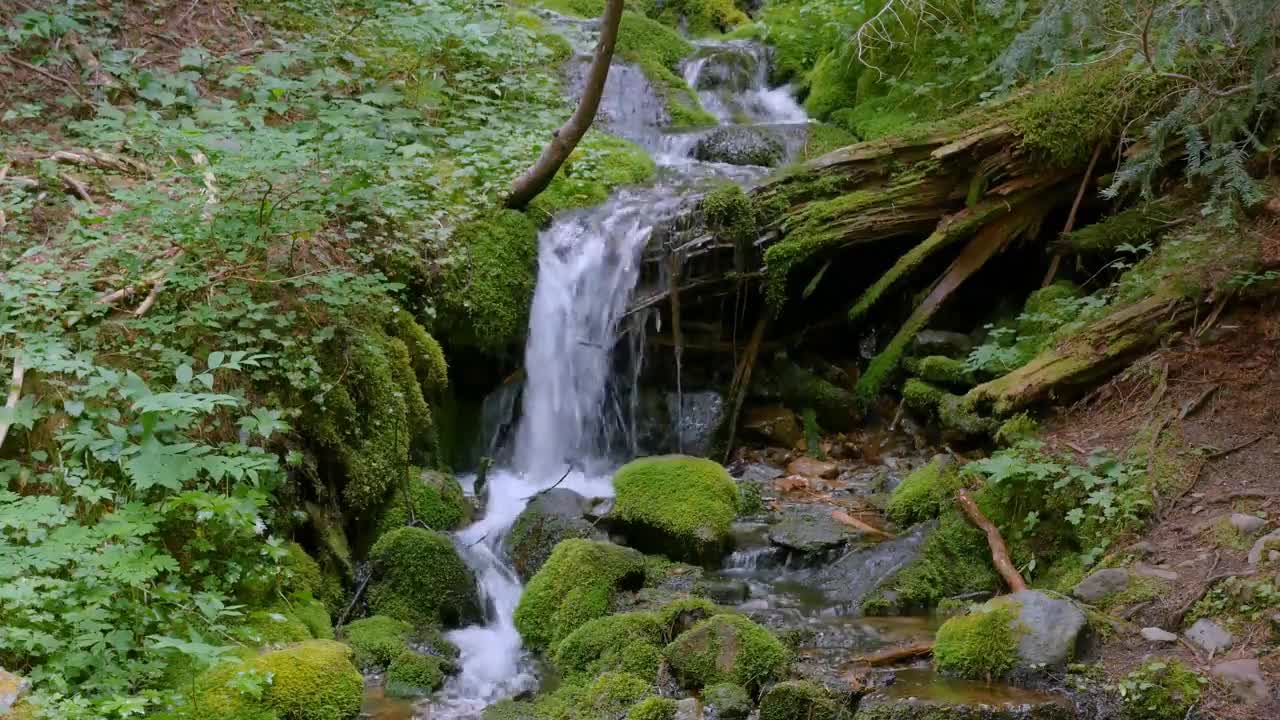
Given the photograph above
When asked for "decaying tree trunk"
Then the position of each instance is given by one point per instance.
(563, 141)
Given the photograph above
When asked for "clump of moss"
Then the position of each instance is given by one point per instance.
(823, 138)
(954, 560)
(700, 17)
(313, 680)
(268, 627)
(982, 644)
(921, 396)
(750, 500)
(654, 708)
(432, 498)
(729, 216)
(575, 585)
(727, 648)
(313, 614)
(1017, 428)
(412, 674)
(833, 85)
(945, 371)
(600, 163)
(926, 492)
(800, 388)
(483, 298)
(628, 642)
(612, 694)
(377, 640)
(1160, 690)
(799, 700)
(679, 505)
(680, 615)
(1135, 226)
(421, 579)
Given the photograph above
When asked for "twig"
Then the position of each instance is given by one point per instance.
(150, 299)
(1075, 210)
(76, 187)
(51, 76)
(4, 172)
(15, 392)
(742, 378)
(1235, 448)
(999, 551)
(342, 619)
(553, 487)
(1195, 404)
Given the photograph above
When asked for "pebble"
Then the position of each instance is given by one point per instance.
(1155, 634)
(1259, 547)
(1209, 636)
(1246, 680)
(1247, 524)
(1101, 584)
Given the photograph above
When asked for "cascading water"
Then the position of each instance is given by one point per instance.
(570, 409)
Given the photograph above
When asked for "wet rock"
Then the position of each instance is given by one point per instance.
(1269, 541)
(1158, 573)
(726, 69)
(810, 531)
(867, 481)
(941, 342)
(773, 424)
(1247, 524)
(1155, 634)
(1245, 679)
(1048, 629)
(687, 709)
(697, 422)
(740, 145)
(760, 473)
(813, 468)
(1101, 584)
(553, 516)
(726, 592)
(862, 571)
(12, 689)
(1209, 636)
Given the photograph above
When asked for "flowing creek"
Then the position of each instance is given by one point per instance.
(574, 418)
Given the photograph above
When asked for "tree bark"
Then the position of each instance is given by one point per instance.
(999, 552)
(563, 141)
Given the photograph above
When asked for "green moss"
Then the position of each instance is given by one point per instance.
(599, 164)
(434, 499)
(412, 674)
(731, 702)
(983, 644)
(1017, 428)
(680, 615)
(483, 299)
(377, 640)
(800, 388)
(945, 371)
(921, 396)
(421, 579)
(612, 694)
(658, 50)
(833, 85)
(675, 504)
(1161, 690)
(824, 138)
(728, 214)
(700, 17)
(750, 501)
(574, 586)
(954, 560)
(268, 627)
(312, 681)
(799, 700)
(425, 354)
(727, 648)
(628, 642)
(654, 708)
(803, 33)
(925, 493)
(313, 614)
(1135, 226)
(559, 46)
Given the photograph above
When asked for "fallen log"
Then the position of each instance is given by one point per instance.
(897, 654)
(999, 551)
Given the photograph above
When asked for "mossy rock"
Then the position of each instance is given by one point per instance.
(954, 560)
(272, 628)
(313, 614)
(835, 406)
(576, 584)
(613, 694)
(727, 700)
(678, 505)
(942, 370)
(552, 517)
(597, 166)
(727, 648)
(412, 674)
(655, 708)
(982, 644)
(629, 642)
(377, 640)
(658, 49)
(483, 299)
(926, 492)
(432, 498)
(312, 680)
(421, 579)
(800, 700)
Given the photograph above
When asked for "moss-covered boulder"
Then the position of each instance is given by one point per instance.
(836, 406)
(421, 579)
(552, 517)
(613, 694)
(982, 644)
(313, 680)
(655, 708)
(677, 505)
(727, 701)
(483, 299)
(629, 642)
(740, 145)
(431, 498)
(926, 492)
(954, 560)
(575, 585)
(727, 648)
(1023, 633)
(377, 640)
(412, 674)
(272, 628)
(800, 700)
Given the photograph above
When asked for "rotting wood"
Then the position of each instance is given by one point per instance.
(845, 518)
(742, 378)
(999, 551)
(896, 654)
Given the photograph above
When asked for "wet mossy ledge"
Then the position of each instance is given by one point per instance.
(676, 505)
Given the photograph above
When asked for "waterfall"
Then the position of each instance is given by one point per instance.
(577, 416)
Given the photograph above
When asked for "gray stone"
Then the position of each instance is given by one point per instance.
(941, 342)
(860, 572)
(1209, 636)
(1245, 679)
(1102, 584)
(740, 145)
(811, 531)
(555, 515)
(760, 473)
(1266, 542)
(867, 481)
(12, 688)
(1155, 634)
(726, 592)
(1247, 524)
(697, 422)
(1051, 629)
(688, 709)
(1157, 573)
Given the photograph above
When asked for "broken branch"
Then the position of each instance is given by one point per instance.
(15, 392)
(895, 655)
(999, 551)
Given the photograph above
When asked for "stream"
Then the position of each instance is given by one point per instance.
(576, 417)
